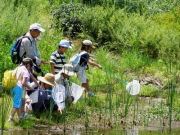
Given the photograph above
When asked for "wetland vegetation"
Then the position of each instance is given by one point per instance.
(134, 39)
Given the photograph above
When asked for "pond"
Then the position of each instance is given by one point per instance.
(116, 114)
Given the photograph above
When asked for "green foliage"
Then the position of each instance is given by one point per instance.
(66, 17)
(27, 123)
(5, 107)
(126, 40)
(120, 31)
(151, 91)
(134, 60)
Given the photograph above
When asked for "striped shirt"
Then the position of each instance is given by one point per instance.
(59, 60)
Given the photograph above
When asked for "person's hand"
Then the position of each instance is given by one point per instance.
(40, 87)
(28, 101)
(44, 62)
(99, 66)
(31, 88)
(59, 110)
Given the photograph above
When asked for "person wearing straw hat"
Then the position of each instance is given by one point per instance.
(60, 89)
(47, 83)
(23, 75)
(63, 87)
(57, 59)
(86, 47)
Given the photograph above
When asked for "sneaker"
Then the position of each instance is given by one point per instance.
(90, 94)
(10, 119)
(26, 115)
(21, 118)
(22, 114)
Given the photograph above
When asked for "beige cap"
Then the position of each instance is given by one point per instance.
(88, 43)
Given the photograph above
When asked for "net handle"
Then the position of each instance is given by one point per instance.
(114, 76)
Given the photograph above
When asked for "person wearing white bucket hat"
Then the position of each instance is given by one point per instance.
(60, 90)
(63, 87)
(57, 58)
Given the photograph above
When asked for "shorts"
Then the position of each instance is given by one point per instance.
(81, 74)
(16, 96)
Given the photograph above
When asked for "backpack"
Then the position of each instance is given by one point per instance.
(14, 52)
(9, 79)
(75, 61)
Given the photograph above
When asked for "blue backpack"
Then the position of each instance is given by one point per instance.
(14, 52)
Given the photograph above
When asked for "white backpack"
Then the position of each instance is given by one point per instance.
(75, 61)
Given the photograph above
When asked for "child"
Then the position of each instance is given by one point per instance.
(60, 88)
(84, 61)
(23, 75)
(57, 59)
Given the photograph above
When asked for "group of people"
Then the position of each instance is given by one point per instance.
(54, 85)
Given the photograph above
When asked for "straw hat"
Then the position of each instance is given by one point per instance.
(48, 79)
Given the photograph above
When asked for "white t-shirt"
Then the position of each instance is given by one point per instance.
(22, 72)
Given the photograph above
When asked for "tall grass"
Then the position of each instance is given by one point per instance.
(127, 46)
(171, 90)
(5, 107)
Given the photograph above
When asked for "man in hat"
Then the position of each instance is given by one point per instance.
(84, 61)
(28, 48)
(57, 59)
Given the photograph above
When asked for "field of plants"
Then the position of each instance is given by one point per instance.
(134, 39)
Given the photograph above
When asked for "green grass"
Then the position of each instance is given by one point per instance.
(129, 45)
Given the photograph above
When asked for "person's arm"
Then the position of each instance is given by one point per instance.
(59, 110)
(24, 84)
(40, 61)
(26, 48)
(52, 68)
(58, 95)
(52, 63)
(94, 64)
(35, 81)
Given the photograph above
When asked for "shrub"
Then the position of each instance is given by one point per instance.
(66, 17)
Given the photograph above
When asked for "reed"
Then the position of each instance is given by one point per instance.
(5, 107)
(172, 80)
